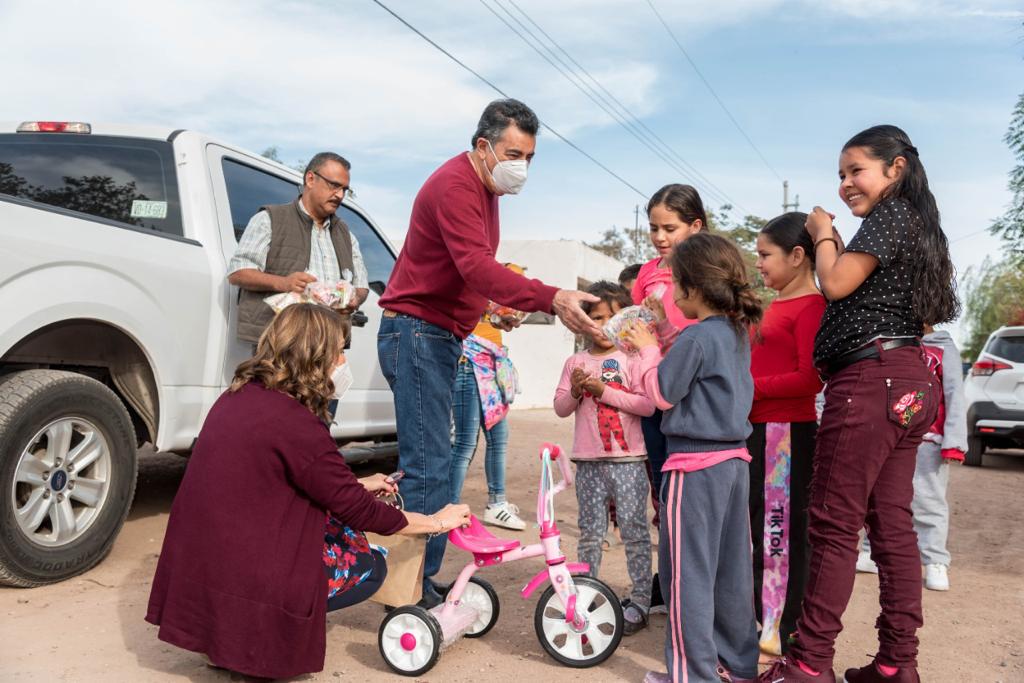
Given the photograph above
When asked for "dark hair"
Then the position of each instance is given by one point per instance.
(609, 293)
(713, 266)
(683, 200)
(934, 277)
(788, 232)
(321, 158)
(499, 114)
(629, 273)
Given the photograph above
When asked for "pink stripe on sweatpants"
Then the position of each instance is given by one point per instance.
(675, 524)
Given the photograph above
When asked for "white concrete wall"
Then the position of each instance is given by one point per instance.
(539, 351)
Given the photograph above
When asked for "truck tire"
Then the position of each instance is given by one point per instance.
(975, 451)
(67, 475)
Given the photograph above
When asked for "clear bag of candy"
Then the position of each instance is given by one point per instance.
(615, 329)
(496, 313)
(331, 293)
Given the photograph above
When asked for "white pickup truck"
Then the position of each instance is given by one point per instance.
(117, 323)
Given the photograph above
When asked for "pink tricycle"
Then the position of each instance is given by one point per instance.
(578, 619)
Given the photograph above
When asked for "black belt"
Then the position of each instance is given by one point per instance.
(871, 350)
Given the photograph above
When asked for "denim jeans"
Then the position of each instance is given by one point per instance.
(419, 360)
(468, 415)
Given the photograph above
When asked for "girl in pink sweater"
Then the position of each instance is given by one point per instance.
(600, 385)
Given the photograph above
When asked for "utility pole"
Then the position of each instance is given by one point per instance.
(785, 198)
(636, 233)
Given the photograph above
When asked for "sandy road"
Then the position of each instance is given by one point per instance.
(91, 629)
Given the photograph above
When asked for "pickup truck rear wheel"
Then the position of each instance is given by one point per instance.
(67, 475)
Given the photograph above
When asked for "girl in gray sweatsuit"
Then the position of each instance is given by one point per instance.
(705, 388)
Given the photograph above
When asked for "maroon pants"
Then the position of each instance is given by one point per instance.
(876, 412)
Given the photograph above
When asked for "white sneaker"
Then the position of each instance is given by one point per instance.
(865, 564)
(936, 577)
(504, 515)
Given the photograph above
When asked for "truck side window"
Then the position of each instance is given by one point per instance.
(250, 188)
(377, 257)
(127, 180)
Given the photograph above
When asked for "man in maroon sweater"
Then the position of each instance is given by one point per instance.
(438, 290)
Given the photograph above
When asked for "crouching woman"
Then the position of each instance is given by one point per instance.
(266, 532)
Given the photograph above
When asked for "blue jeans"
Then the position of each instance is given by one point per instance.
(468, 414)
(419, 360)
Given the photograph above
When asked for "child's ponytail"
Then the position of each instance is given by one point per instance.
(713, 266)
(934, 296)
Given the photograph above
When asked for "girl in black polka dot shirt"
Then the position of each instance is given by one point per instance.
(893, 277)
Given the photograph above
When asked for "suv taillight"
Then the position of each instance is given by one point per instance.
(987, 366)
(55, 127)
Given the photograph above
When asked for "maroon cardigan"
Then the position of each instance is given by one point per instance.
(241, 575)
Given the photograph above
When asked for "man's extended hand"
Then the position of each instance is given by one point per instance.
(296, 282)
(567, 307)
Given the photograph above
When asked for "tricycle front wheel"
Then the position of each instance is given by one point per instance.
(592, 641)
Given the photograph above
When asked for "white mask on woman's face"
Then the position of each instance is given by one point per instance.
(342, 378)
(509, 175)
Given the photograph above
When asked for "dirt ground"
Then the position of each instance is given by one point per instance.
(91, 628)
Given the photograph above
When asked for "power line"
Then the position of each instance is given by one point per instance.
(636, 120)
(712, 91)
(568, 77)
(970, 234)
(608, 102)
(503, 94)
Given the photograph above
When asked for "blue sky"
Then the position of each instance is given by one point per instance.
(801, 77)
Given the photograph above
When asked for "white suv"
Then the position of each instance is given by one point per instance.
(995, 395)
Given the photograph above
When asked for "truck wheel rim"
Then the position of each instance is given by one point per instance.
(61, 482)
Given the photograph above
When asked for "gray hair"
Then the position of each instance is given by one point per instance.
(499, 114)
(318, 161)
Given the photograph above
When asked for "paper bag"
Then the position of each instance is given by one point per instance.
(404, 582)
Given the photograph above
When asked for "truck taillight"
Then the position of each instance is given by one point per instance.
(55, 127)
(987, 366)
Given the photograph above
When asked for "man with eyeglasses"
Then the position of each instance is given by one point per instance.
(287, 246)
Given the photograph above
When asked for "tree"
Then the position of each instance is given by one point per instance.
(624, 244)
(274, 154)
(1010, 226)
(96, 195)
(994, 293)
(994, 297)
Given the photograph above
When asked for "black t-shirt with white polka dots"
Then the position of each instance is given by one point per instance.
(881, 306)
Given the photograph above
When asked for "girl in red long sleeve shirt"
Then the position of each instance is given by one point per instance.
(784, 425)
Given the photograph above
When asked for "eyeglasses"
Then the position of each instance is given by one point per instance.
(346, 192)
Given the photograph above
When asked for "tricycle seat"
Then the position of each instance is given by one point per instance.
(475, 538)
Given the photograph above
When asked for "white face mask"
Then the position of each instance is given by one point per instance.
(342, 378)
(509, 175)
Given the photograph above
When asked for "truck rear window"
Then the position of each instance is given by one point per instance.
(127, 180)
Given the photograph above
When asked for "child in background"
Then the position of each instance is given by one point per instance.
(481, 398)
(704, 386)
(600, 386)
(894, 277)
(945, 443)
(784, 423)
(627, 278)
(675, 213)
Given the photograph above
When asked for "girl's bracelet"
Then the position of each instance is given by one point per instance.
(833, 240)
